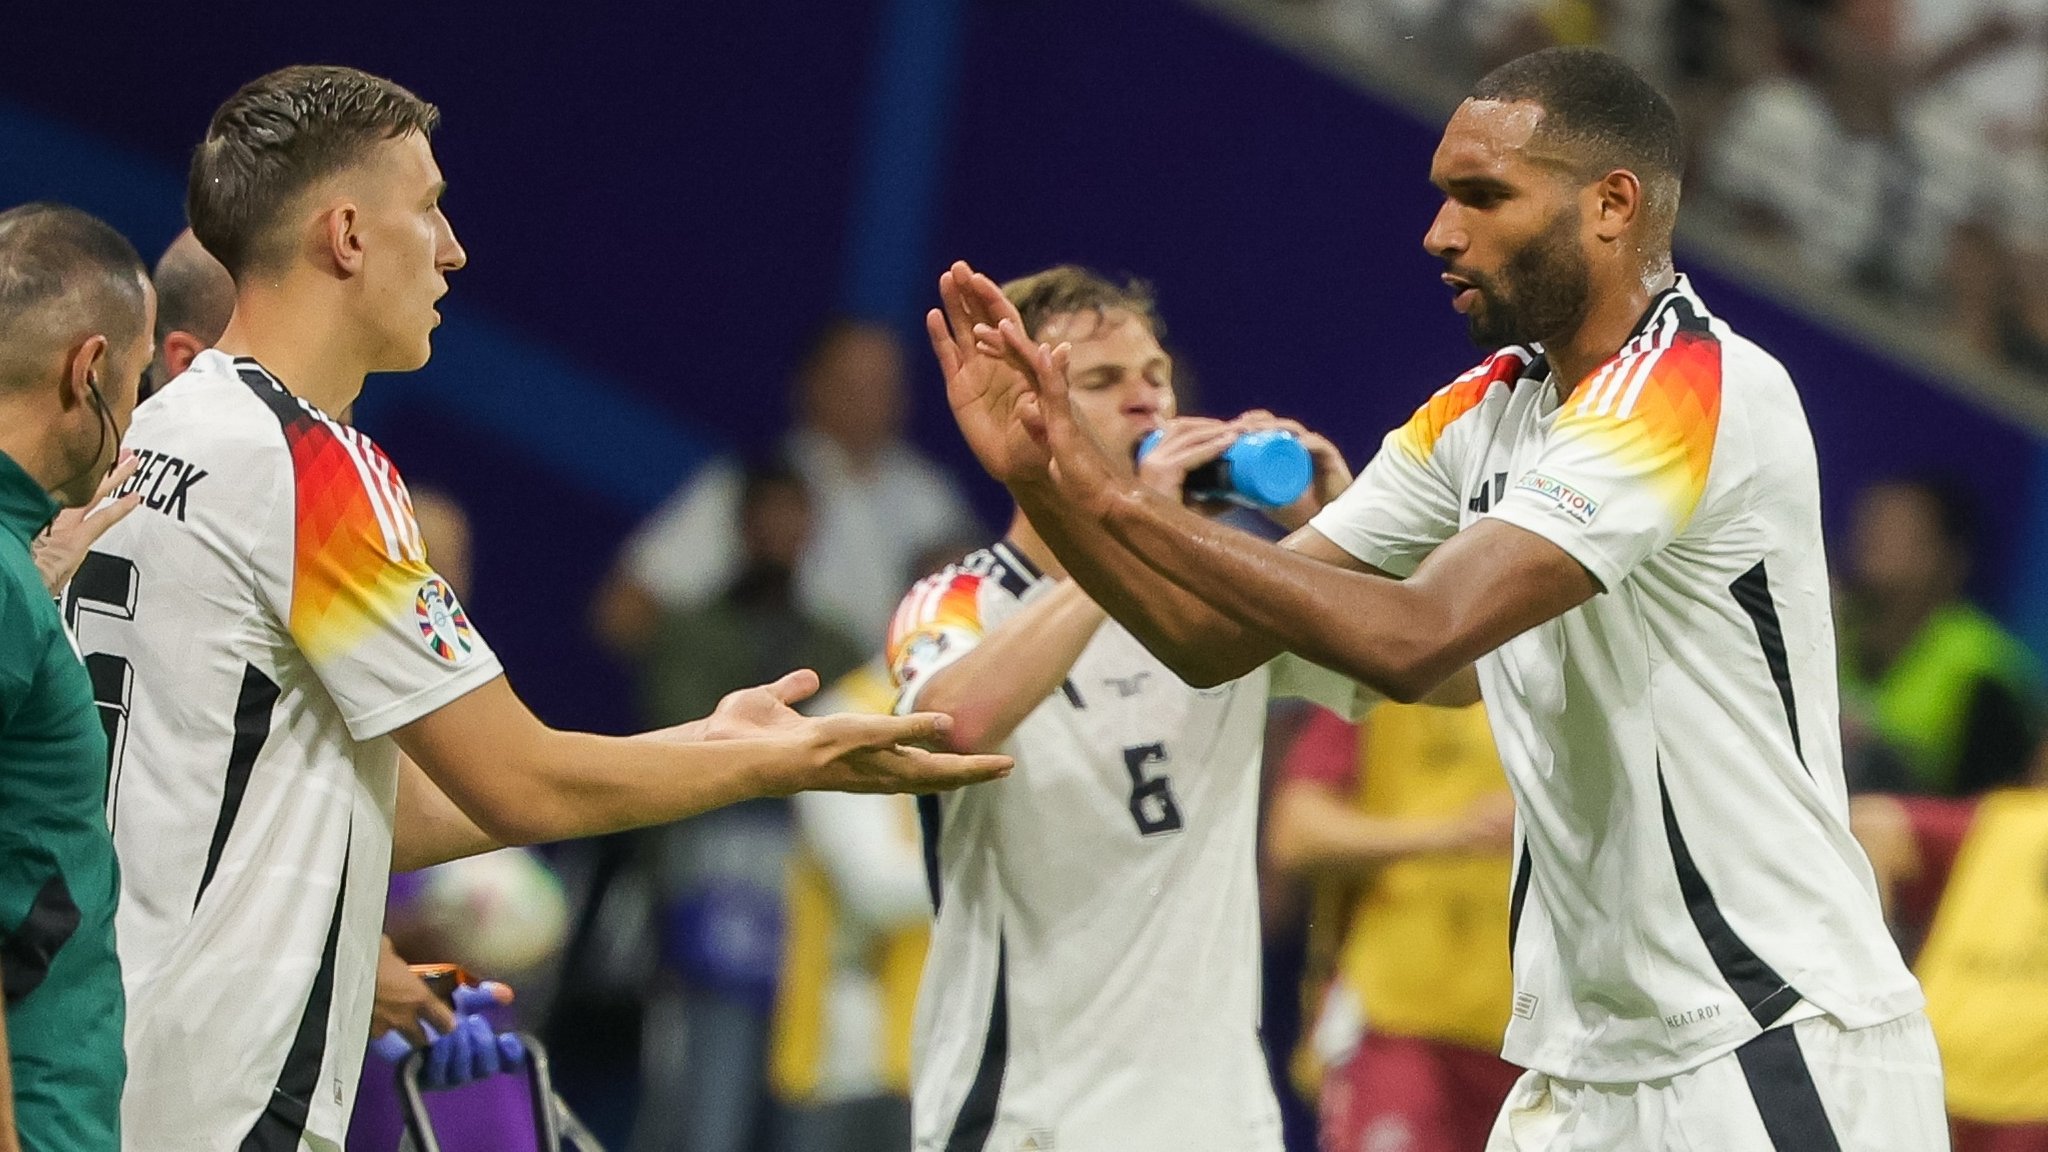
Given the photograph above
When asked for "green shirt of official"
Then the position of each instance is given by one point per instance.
(57, 875)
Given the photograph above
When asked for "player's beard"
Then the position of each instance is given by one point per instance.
(1541, 293)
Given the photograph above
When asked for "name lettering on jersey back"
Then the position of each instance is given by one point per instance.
(164, 480)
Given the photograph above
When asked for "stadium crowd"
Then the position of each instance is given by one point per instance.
(745, 978)
(1899, 148)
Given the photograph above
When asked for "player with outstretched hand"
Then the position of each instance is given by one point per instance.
(1617, 515)
(266, 632)
(1093, 979)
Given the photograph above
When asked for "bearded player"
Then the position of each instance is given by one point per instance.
(1617, 515)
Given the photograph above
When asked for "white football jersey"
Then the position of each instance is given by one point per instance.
(1687, 876)
(1093, 981)
(259, 626)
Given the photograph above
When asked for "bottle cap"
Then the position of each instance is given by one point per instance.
(1270, 468)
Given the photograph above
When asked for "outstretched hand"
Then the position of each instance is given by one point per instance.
(762, 709)
(858, 752)
(847, 752)
(991, 400)
(61, 549)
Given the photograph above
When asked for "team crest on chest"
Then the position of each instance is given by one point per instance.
(443, 625)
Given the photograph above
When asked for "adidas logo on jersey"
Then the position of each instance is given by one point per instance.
(1487, 497)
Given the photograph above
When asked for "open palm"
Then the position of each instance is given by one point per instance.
(993, 403)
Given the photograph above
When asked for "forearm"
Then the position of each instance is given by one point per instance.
(577, 784)
(430, 828)
(1379, 631)
(521, 782)
(990, 690)
(1200, 644)
(1313, 832)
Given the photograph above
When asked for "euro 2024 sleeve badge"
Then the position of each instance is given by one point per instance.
(443, 625)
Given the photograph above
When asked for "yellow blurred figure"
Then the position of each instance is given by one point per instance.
(859, 912)
(1407, 823)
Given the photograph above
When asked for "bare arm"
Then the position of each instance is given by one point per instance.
(1479, 589)
(1019, 663)
(1313, 830)
(1198, 643)
(1202, 643)
(522, 782)
(1402, 638)
(430, 828)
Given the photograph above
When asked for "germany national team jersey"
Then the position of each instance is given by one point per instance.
(1093, 980)
(255, 631)
(1687, 877)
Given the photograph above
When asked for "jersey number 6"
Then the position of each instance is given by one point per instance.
(1152, 803)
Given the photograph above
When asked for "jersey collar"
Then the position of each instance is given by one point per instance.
(1679, 297)
(1014, 558)
(25, 509)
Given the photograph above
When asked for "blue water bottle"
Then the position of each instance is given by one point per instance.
(1264, 469)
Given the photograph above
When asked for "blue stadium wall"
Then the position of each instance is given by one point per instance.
(659, 209)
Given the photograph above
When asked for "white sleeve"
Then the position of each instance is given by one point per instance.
(864, 843)
(941, 620)
(383, 632)
(1397, 511)
(1626, 463)
(689, 548)
(1307, 680)
(1406, 502)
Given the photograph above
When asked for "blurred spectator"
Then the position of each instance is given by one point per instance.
(1975, 106)
(1898, 146)
(1811, 149)
(1976, 866)
(859, 909)
(195, 299)
(718, 878)
(1407, 820)
(1925, 673)
(758, 627)
(877, 504)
